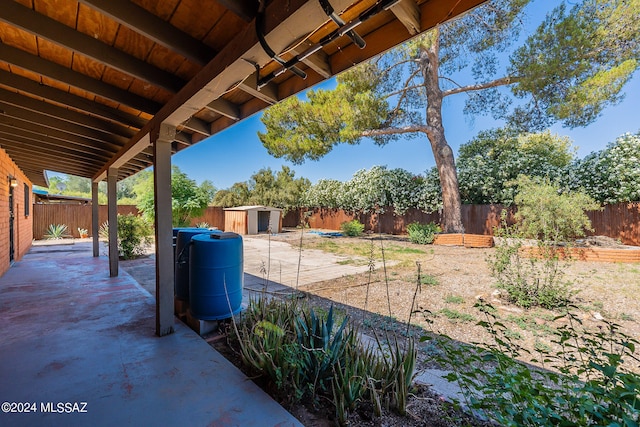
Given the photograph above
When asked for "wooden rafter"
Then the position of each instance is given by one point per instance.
(49, 29)
(35, 64)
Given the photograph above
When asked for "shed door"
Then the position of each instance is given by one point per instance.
(263, 221)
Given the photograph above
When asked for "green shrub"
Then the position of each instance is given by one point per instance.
(529, 281)
(553, 217)
(586, 381)
(352, 228)
(422, 234)
(133, 234)
(56, 231)
(548, 213)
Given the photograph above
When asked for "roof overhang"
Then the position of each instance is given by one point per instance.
(85, 84)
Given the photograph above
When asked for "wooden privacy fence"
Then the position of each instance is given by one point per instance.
(619, 221)
(74, 216)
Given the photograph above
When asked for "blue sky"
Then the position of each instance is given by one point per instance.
(236, 153)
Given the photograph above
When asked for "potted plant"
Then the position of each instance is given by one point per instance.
(84, 233)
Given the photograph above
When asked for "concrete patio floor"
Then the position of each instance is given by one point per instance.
(74, 339)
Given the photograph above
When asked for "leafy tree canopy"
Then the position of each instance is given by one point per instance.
(545, 212)
(569, 70)
(188, 200)
(489, 164)
(611, 175)
(280, 189)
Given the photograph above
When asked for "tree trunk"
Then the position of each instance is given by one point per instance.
(442, 152)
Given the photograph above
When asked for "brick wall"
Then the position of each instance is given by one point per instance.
(23, 224)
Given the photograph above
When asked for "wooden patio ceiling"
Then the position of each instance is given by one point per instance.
(83, 83)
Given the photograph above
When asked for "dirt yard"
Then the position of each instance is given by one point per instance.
(454, 279)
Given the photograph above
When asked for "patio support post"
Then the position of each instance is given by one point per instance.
(112, 178)
(94, 219)
(164, 228)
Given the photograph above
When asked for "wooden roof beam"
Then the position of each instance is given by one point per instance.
(318, 62)
(22, 59)
(17, 144)
(42, 26)
(62, 138)
(408, 12)
(152, 27)
(245, 9)
(184, 139)
(268, 93)
(65, 114)
(42, 91)
(20, 136)
(108, 140)
(199, 126)
(63, 166)
(225, 108)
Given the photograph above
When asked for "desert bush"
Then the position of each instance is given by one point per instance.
(552, 217)
(352, 228)
(584, 381)
(422, 234)
(548, 213)
(133, 234)
(529, 281)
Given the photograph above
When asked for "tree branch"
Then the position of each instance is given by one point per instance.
(503, 81)
(450, 80)
(394, 131)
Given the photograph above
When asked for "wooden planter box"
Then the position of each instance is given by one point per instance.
(466, 240)
(592, 254)
(478, 241)
(449, 239)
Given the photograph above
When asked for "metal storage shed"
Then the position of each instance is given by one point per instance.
(253, 219)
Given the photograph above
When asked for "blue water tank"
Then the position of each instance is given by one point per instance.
(176, 230)
(183, 240)
(215, 276)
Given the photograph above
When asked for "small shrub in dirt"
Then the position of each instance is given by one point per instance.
(554, 218)
(586, 380)
(353, 228)
(422, 234)
(133, 234)
(529, 281)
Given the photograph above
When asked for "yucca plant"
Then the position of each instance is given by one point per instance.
(56, 231)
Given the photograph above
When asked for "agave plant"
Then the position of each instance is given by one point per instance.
(56, 231)
(202, 225)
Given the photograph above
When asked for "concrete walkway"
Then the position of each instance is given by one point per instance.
(81, 344)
